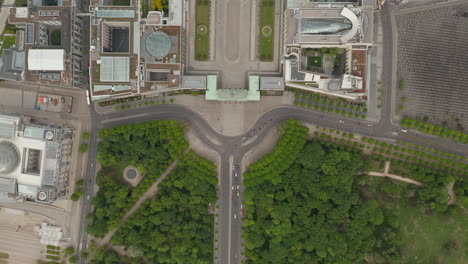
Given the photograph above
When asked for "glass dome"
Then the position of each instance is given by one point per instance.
(9, 157)
(158, 44)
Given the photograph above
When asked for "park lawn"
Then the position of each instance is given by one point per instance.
(424, 237)
(267, 18)
(314, 61)
(56, 37)
(202, 41)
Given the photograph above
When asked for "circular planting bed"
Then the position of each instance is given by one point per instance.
(266, 31)
(202, 30)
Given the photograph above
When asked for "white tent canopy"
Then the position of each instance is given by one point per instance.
(46, 59)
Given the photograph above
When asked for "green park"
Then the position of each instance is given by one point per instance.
(174, 219)
(202, 30)
(311, 200)
(267, 22)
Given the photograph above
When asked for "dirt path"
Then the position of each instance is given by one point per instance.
(451, 193)
(147, 195)
(396, 177)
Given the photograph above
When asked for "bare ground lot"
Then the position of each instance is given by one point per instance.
(22, 246)
(432, 60)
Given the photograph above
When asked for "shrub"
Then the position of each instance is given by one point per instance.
(85, 135)
(83, 148)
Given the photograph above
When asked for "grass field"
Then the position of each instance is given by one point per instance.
(202, 30)
(433, 238)
(56, 37)
(267, 22)
(8, 41)
(314, 61)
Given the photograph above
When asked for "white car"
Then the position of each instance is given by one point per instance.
(87, 197)
(341, 121)
(242, 206)
(232, 187)
(235, 216)
(237, 187)
(404, 130)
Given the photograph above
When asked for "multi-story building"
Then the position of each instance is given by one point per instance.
(47, 48)
(33, 160)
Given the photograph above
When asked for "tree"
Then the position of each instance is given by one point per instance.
(72, 259)
(83, 148)
(70, 251)
(85, 135)
(75, 197)
(79, 182)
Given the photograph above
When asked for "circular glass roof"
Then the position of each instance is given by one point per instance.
(158, 44)
(9, 157)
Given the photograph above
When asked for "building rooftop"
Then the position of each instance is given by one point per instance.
(46, 59)
(115, 69)
(158, 44)
(196, 82)
(271, 83)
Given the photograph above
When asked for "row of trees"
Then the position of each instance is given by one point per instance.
(149, 146)
(315, 215)
(269, 167)
(175, 227)
(437, 130)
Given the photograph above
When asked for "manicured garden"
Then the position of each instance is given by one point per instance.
(202, 30)
(56, 38)
(314, 61)
(267, 22)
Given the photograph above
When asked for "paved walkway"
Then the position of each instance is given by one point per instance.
(452, 200)
(396, 177)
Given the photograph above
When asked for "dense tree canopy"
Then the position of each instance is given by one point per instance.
(176, 226)
(269, 167)
(311, 212)
(151, 147)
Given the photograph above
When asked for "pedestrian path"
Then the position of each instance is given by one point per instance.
(393, 176)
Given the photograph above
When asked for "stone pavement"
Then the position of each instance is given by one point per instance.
(227, 118)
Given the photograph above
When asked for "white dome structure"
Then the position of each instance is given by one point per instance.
(9, 157)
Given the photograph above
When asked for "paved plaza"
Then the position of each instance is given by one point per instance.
(235, 32)
(432, 61)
